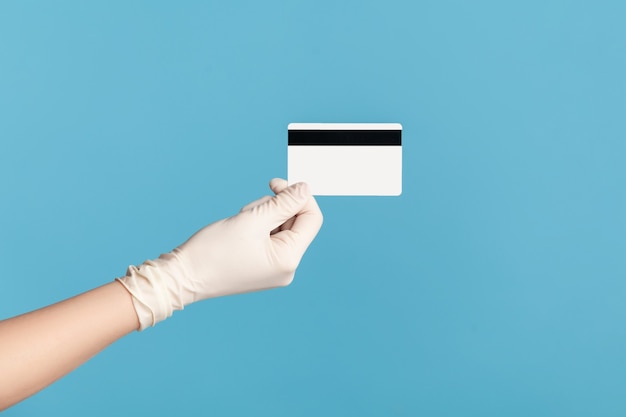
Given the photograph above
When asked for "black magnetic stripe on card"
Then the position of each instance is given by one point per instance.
(345, 137)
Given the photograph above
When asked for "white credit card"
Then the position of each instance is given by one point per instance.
(346, 158)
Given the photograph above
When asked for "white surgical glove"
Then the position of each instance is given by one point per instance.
(257, 249)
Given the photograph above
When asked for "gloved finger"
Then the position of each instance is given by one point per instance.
(278, 185)
(255, 203)
(307, 223)
(283, 206)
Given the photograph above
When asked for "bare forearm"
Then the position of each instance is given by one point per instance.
(56, 339)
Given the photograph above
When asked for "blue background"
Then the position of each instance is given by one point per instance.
(495, 285)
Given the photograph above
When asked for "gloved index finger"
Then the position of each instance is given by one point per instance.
(278, 185)
(283, 206)
(307, 223)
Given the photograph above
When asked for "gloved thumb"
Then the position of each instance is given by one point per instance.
(284, 205)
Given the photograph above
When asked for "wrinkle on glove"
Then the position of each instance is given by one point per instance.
(156, 291)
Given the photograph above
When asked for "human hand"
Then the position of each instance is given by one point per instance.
(258, 248)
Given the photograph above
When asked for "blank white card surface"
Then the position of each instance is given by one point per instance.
(346, 159)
